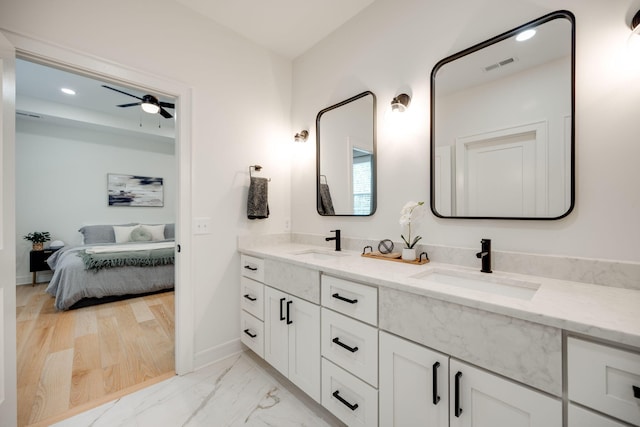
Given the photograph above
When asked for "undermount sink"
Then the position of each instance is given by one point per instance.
(482, 282)
(319, 254)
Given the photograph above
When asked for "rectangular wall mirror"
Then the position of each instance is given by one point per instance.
(346, 157)
(502, 125)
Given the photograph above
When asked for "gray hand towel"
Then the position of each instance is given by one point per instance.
(326, 204)
(258, 202)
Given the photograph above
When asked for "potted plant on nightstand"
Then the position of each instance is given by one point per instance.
(37, 238)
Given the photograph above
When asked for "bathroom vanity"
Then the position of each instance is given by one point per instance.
(392, 344)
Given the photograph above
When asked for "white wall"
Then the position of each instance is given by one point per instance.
(392, 47)
(241, 97)
(61, 177)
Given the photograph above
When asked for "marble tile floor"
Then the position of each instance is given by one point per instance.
(238, 391)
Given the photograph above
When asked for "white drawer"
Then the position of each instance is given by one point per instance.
(580, 417)
(603, 378)
(252, 297)
(351, 400)
(350, 344)
(350, 298)
(252, 333)
(252, 267)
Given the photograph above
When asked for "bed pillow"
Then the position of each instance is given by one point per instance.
(170, 231)
(156, 231)
(141, 234)
(92, 234)
(123, 232)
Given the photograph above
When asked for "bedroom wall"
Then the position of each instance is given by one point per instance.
(61, 178)
(241, 96)
(392, 47)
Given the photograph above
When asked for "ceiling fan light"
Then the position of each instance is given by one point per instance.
(150, 108)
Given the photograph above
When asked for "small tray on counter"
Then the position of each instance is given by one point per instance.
(397, 257)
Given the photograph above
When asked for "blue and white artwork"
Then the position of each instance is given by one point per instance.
(133, 190)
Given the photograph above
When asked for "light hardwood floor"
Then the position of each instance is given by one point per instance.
(67, 360)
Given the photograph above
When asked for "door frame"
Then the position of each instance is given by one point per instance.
(46, 53)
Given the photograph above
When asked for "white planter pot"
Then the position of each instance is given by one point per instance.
(408, 254)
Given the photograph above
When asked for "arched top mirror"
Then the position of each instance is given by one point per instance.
(502, 125)
(346, 157)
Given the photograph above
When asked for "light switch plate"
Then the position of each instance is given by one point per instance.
(202, 225)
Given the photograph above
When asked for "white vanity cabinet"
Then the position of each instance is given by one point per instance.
(414, 384)
(604, 378)
(479, 398)
(292, 339)
(252, 304)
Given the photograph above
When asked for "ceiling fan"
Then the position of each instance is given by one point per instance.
(149, 103)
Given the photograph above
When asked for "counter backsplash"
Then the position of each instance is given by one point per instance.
(600, 272)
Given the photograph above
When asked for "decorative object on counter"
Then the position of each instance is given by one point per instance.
(395, 256)
(411, 214)
(364, 250)
(258, 198)
(37, 239)
(385, 246)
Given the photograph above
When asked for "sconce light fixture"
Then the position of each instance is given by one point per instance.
(400, 103)
(633, 42)
(635, 23)
(301, 136)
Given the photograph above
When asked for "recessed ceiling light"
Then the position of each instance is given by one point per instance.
(526, 35)
(68, 91)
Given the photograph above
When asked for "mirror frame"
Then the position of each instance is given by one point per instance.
(536, 22)
(374, 186)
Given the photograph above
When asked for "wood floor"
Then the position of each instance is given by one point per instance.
(69, 359)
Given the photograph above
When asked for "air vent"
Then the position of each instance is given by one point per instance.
(499, 64)
(34, 116)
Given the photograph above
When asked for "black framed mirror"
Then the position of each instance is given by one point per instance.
(346, 157)
(502, 125)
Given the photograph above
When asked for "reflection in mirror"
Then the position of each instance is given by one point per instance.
(502, 125)
(346, 157)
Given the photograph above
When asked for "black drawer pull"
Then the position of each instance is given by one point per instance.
(457, 409)
(343, 345)
(246, 331)
(353, 407)
(436, 398)
(341, 298)
(281, 315)
(250, 298)
(636, 391)
(289, 321)
(248, 267)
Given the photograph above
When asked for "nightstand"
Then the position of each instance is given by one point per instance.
(38, 262)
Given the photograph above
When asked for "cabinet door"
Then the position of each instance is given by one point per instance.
(410, 394)
(481, 399)
(276, 333)
(303, 320)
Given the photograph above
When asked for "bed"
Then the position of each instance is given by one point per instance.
(107, 267)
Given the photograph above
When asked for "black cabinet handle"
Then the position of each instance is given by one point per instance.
(341, 298)
(289, 321)
(248, 267)
(281, 315)
(250, 298)
(343, 345)
(636, 391)
(436, 398)
(353, 407)
(457, 409)
(246, 331)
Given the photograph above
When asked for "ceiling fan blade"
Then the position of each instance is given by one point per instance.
(165, 113)
(167, 105)
(118, 90)
(129, 105)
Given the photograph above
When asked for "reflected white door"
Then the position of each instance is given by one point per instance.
(503, 173)
(443, 179)
(8, 401)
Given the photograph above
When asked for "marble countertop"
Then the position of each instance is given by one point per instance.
(600, 311)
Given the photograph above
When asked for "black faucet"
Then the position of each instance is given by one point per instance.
(336, 238)
(485, 255)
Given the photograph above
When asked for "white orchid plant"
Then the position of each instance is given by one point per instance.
(411, 214)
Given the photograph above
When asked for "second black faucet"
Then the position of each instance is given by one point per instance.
(485, 255)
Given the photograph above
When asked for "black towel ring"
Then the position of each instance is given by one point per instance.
(257, 168)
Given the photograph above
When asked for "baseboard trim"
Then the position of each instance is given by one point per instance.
(211, 355)
(42, 277)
